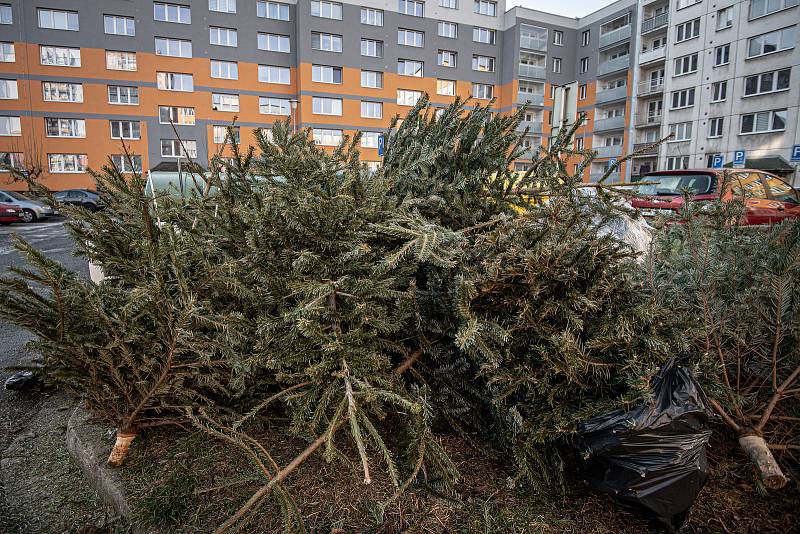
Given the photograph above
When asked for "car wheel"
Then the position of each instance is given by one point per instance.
(28, 216)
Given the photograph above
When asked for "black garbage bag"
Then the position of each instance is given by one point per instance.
(652, 458)
(20, 381)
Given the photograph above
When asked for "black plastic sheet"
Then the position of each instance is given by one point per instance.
(652, 458)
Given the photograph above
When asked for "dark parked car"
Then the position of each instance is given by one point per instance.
(80, 197)
(9, 214)
(767, 198)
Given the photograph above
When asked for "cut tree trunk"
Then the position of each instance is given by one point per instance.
(120, 449)
(768, 469)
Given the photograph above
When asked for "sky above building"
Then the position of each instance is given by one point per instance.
(568, 8)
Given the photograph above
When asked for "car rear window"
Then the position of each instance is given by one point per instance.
(674, 184)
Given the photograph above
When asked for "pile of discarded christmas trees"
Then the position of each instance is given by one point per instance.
(440, 293)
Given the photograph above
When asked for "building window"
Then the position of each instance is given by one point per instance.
(371, 110)
(483, 35)
(725, 18)
(446, 87)
(687, 30)
(483, 63)
(126, 163)
(60, 56)
(485, 7)
(406, 97)
(173, 81)
(584, 65)
(579, 143)
(224, 102)
(55, 127)
(223, 36)
(557, 65)
(449, 4)
(448, 29)
(370, 48)
(683, 98)
(173, 47)
(326, 10)
(273, 10)
(722, 55)
(274, 106)
(6, 16)
(371, 17)
(410, 38)
(582, 92)
(224, 70)
(326, 106)
(62, 92)
(176, 115)
(172, 13)
(222, 134)
(371, 79)
(769, 43)
(768, 82)
(117, 25)
(482, 90)
(446, 58)
(222, 6)
(585, 37)
(123, 95)
(409, 67)
(369, 139)
(681, 131)
(10, 127)
(687, 3)
(274, 74)
(277, 43)
(326, 74)
(764, 122)
(8, 54)
(327, 42)
(120, 60)
(67, 163)
(759, 8)
(715, 126)
(54, 19)
(125, 129)
(411, 7)
(719, 91)
(176, 148)
(675, 163)
(558, 38)
(685, 65)
(326, 137)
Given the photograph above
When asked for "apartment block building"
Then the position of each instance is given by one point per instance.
(80, 77)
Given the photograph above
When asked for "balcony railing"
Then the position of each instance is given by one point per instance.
(533, 43)
(655, 23)
(649, 120)
(608, 151)
(532, 71)
(612, 123)
(648, 150)
(609, 95)
(612, 178)
(535, 99)
(651, 87)
(535, 127)
(613, 65)
(614, 36)
(654, 54)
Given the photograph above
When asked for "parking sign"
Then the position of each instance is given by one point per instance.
(738, 158)
(381, 145)
(612, 162)
(796, 153)
(717, 161)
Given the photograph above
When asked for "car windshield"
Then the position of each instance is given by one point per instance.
(17, 196)
(674, 184)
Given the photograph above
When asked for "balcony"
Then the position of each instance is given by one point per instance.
(608, 151)
(609, 95)
(532, 42)
(649, 150)
(615, 36)
(612, 123)
(534, 99)
(652, 55)
(651, 87)
(613, 65)
(535, 127)
(612, 178)
(648, 121)
(532, 71)
(655, 23)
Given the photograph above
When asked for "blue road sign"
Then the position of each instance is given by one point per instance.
(796, 153)
(738, 158)
(612, 162)
(717, 161)
(381, 145)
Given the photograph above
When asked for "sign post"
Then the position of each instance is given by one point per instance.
(738, 158)
(717, 161)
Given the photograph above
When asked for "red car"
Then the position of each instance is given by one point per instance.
(9, 214)
(767, 198)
